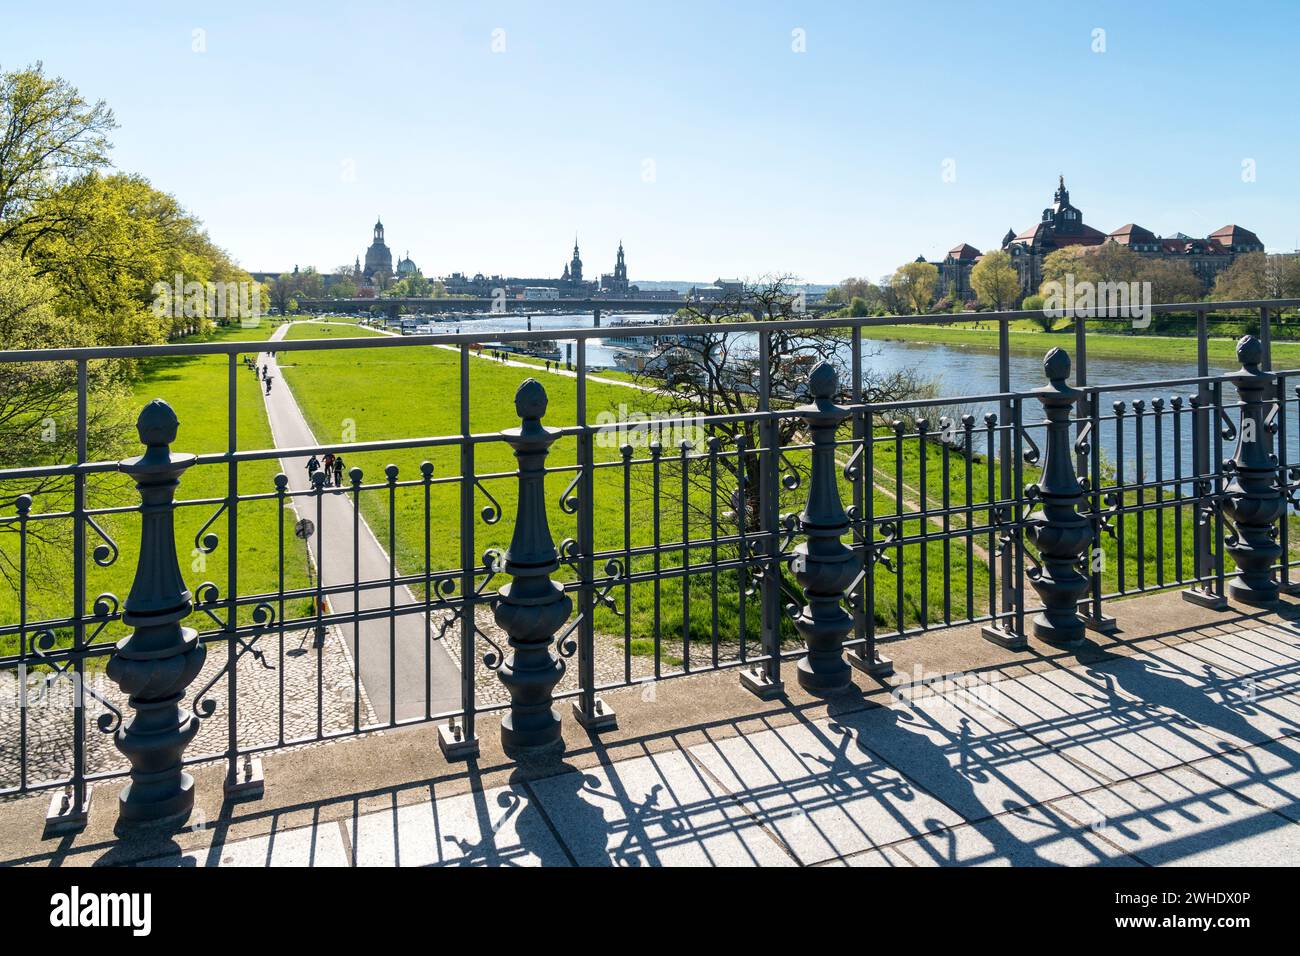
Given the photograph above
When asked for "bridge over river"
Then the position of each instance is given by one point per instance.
(393, 306)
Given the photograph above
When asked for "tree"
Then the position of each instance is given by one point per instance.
(49, 135)
(1171, 281)
(38, 410)
(283, 293)
(995, 280)
(1066, 266)
(104, 241)
(1258, 275)
(709, 373)
(915, 284)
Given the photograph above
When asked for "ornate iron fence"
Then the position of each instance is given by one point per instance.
(867, 522)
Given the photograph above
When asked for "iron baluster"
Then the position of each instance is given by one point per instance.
(532, 607)
(156, 663)
(1252, 499)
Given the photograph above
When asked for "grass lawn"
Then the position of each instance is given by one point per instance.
(409, 392)
(1024, 338)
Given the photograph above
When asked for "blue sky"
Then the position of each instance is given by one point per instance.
(692, 131)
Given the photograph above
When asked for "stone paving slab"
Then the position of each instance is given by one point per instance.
(1255, 653)
(1268, 775)
(658, 810)
(1182, 818)
(1092, 718)
(974, 761)
(1030, 836)
(497, 827)
(820, 791)
(302, 847)
(1182, 755)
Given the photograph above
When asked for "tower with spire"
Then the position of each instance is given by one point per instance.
(574, 270)
(379, 259)
(616, 282)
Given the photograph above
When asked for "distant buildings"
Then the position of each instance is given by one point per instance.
(1062, 226)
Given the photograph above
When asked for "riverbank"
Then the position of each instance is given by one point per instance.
(1138, 345)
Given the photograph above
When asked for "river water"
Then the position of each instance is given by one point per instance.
(959, 371)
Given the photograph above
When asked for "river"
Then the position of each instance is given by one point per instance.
(962, 370)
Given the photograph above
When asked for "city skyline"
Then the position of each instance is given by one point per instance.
(712, 145)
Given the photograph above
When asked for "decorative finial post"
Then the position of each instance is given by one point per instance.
(1253, 501)
(1056, 528)
(156, 663)
(822, 565)
(532, 607)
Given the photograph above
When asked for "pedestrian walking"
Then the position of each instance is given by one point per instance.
(313, 466)
(269, 379)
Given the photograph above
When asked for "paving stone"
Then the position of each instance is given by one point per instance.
(497, 827)
(821, 791)
(976, 762)
(1233, 711)
(1259, 653)
(1095, 717)
(886, 857)
(1032, 836)
(658, 810)
(320, 845)
(1181, 818)
(1268, 774)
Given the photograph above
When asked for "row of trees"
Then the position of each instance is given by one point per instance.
(915, 287)
(82, 248)
(288, 289)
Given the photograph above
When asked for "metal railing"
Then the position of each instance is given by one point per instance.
(868, 522)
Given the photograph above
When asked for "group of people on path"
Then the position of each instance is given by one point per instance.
(331, 466)
(265, 371)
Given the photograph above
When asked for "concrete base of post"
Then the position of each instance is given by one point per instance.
(173, 809)
(602, 716)
(1206, 599)
(1251, 597)
(1102, 625)
(996, 635)
(756, 681)
(875, 667)
(248, 782)
(63, 817)
(454, 744)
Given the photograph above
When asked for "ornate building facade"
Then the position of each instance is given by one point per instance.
(1061, 226)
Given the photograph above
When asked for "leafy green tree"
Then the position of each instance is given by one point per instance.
(995, 280)
(1171, 281)
(915, 283)
(49, 135)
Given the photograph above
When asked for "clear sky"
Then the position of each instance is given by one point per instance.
(695, 132)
